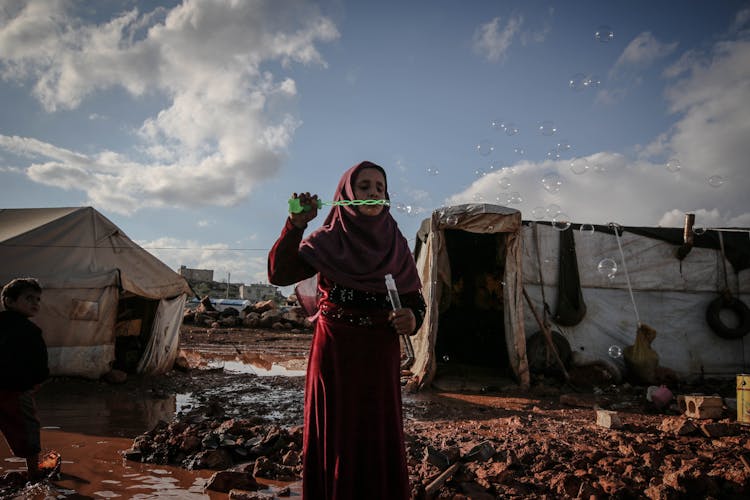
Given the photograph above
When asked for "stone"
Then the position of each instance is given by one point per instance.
(608, 419)
(226, 480)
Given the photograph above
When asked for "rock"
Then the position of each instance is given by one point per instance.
(205, 305)
(212, 459)
(719, 429)
(268, 469)
(265, 305)
(182, 364)
(226, 480)
(608, 419)
(480, 452)
(678, 426)
(132, 454)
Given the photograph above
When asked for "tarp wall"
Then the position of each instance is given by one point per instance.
(670, 295)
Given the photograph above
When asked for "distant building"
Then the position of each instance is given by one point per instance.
(196, 274)
(258, 291)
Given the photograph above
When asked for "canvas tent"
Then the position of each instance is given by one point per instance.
(106, 302)
(591, 311)
(469, 260)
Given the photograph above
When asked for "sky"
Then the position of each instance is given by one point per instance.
(190, 123)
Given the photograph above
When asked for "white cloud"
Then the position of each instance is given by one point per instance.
(709, 139)
(643, 50)
(227, 125)
(538, 35)
(493, 40)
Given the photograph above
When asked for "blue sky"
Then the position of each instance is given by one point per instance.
(190, 123)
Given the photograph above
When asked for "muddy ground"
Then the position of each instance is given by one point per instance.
(495, 442)
(492, 443)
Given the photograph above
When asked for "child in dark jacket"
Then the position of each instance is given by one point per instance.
(23, 367)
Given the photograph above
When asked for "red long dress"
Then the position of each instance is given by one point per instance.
(353, 435)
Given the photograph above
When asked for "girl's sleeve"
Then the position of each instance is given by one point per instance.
(285, 266)
(415, 302)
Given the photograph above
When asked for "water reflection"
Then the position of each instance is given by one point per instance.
(260, 364)
(77, 406)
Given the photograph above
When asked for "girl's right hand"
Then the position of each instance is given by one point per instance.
(301, 219)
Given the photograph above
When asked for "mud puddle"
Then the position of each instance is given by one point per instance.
(90, 423)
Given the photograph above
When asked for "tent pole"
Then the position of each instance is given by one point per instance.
(547, 335)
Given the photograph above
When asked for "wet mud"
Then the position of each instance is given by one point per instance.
(246, 388)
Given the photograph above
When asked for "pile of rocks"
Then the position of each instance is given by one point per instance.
(263, 314)
(241, 449)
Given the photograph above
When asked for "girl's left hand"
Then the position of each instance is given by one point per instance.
(403, 321)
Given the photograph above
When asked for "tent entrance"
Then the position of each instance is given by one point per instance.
(470, 348)
(135, 318)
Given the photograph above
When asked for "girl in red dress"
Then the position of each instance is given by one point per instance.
(353, 444)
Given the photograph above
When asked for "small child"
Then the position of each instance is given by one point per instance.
(23, 367)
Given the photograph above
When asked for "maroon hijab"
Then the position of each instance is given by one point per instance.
(356, 250)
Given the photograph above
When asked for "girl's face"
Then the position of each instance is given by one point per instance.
(369, 185)
(27, 303)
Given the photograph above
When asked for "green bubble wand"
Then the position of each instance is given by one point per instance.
(296, 207)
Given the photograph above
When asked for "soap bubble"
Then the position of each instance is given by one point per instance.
(607, 267)
(547, 128)
(561, 222)
(716, 181)
(563, 147)
(490, 228)
(479, 172)
(604, 34)
(553, 154)
(511, 129)
(433, 171)
(698, 230)
(452, 220)
(446, 358)
(539, 213)
(478, 197)
(515, 198)
(504, 183)
(587, 229)
(599, 168)
(553, 210)
(592, 82)
(552, 182)
(519, 150)
(577, 82)
(579, 166)
(485, 148)
(673, 165)
(614, 351)
(497, 125)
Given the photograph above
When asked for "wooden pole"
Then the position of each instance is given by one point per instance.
(547, 335)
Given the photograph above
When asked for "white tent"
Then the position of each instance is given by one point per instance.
(670, 294)
(106, 302)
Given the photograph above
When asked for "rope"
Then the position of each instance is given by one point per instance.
(617, 227)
